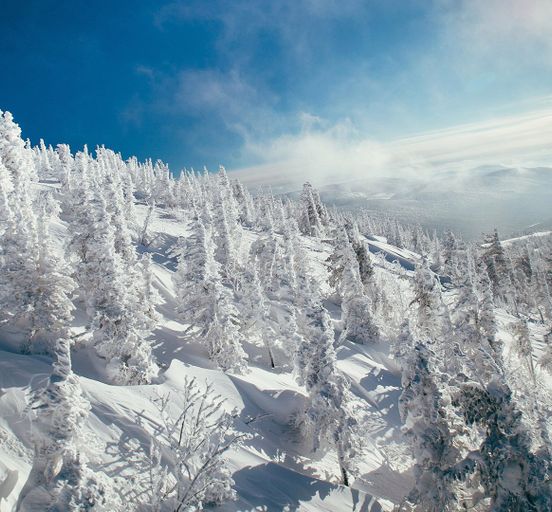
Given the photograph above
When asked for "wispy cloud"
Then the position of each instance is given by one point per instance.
(339, 153)
(227, 95)
(294, 22)
(499, 30)
(519, 140)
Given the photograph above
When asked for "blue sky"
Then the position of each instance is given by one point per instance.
(250, 83)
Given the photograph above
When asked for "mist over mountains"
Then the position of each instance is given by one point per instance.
(468, 201)
(471, 202)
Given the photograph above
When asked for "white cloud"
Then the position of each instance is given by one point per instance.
(339, 153)
(522, 139)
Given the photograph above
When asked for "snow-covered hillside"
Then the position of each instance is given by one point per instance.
(272, 469)
(352, 374)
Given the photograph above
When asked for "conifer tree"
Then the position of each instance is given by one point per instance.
(108, 273)
(244, 204)
(194, 276)
(449, 248)
(513, 477)
(206, 303)
(313, 216)
(546, 358)
(329, 418)
(19, 248)
(120, 325)
(51, 309)
(223, 337)
(356, 308)
(7, 230)
(523, 346)
(474, 330)
(227, 236)
(497, 266)
(432, 316)
(63, 163)
(254, 309)
(486, 318)
(60, 478)
(426, 427)
(362, 253)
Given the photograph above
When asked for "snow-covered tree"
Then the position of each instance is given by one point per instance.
(358, 325)
(109, 276)
(254, 309)
(51, 308)
(60, 478)
(205, 303)
(7, 230)
(120, 324)
(18, 251)
(63, 163)
(227, 236)
(224, 337)
(426, 427)
(194, 276)
(432, 316)
(498, 268)
(513, 477)
(244, 204)
(449, 250)
(473, 324)
(145, 235)
(545, 360)
(486, 321)
(362, 253)
(313, 216)
(523, 346)
(404, 342)
(331, 418)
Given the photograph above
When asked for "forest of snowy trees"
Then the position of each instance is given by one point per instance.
(459, 329)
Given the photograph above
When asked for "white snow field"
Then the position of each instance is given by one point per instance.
(272, 470)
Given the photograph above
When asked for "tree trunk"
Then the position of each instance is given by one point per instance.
(344, 476)
(269, 350)
(270, 356)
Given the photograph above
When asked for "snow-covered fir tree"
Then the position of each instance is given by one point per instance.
(358, 325)
(330, 417)
(513, 477)
(60, 478)
(422, 411)
(313, 216)
(109, 277)
(18, 253)
(51, 308)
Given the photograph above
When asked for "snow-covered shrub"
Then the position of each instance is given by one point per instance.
(188, 469)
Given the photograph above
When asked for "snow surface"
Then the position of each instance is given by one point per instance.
(273, 471)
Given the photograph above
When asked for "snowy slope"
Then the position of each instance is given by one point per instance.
(272, 471)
